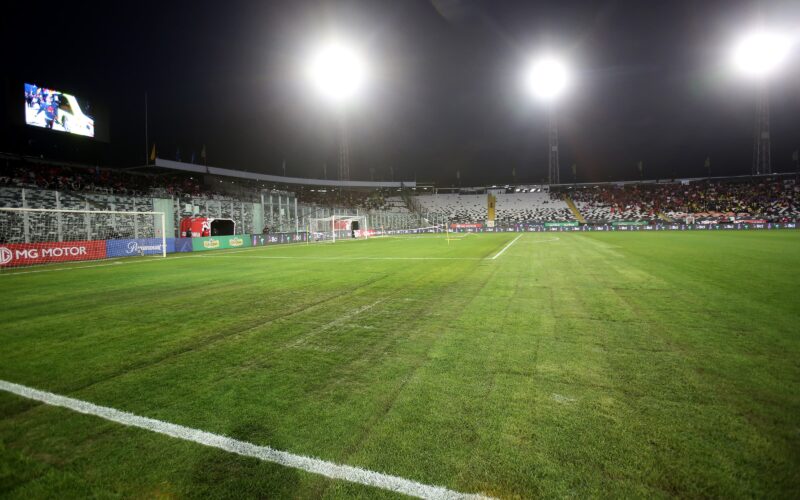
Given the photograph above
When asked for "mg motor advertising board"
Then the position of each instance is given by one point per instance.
(27, 254)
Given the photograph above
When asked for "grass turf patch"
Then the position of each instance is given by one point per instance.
(596, 364)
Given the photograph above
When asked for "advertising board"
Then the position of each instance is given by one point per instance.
(27, 254)
(220, 242)
(141, 246)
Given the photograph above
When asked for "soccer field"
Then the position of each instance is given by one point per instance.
(547, 364)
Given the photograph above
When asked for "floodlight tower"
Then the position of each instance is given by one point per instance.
(758, 55)
(344, 149)
(762, 149)
(546, 79)
(553, 164)
(338, 73)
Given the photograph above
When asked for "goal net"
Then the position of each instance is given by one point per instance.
(35, 236)
(338, 227)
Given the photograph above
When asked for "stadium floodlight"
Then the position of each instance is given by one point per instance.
(337, 71)
(546, 78)
(760, 53)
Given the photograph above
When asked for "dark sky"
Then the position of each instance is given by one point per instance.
(652, 83)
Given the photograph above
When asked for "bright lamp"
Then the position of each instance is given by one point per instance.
(547, 78)
(337, 71)
(760, 53)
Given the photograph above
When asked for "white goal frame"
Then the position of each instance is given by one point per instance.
(330, 226)
(56, 213)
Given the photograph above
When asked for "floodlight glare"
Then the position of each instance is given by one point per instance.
(760, 53)
(337, 71)
(547, 78)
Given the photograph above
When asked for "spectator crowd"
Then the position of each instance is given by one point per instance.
(94, 179)
(775, 199)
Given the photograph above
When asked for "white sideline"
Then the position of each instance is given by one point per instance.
(139, 261)
(116, 262)
(265, 453)
(342, 257)
(498, 254)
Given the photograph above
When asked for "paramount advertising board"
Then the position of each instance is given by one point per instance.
(220, 242)
(141, 246)
(183, 244)
(27, 254)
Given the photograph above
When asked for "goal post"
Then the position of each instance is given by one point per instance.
(337, 227)
(35, 236)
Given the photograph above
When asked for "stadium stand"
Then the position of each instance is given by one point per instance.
(45, 184)
(458, 208)
(521, 208)
(603, 204)
(512, 208)
(31, 183)
(774, 199)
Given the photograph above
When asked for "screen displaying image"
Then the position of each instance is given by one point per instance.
(55, 110)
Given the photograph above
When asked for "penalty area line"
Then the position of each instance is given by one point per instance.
(498, 254)
(264, 453)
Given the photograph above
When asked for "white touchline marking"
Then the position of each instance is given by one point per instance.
(301, 257)
(265, 453)
(71, 268)
(225, 253)
(498, 254)
(140, 261)
(155, 258)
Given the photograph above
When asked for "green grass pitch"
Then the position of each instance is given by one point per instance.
(614, 365)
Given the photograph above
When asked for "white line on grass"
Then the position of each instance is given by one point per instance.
(498, 254)
(71, 268)
(305, 338)
(302, 257)
(14, 272)
(265, 453)
(224, 253)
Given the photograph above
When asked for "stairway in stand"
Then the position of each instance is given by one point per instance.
(574, 209)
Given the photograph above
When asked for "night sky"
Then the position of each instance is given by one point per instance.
(652, 83)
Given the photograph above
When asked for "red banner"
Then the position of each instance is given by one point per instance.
(28, 254)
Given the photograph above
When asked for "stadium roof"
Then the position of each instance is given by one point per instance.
(241, 174)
